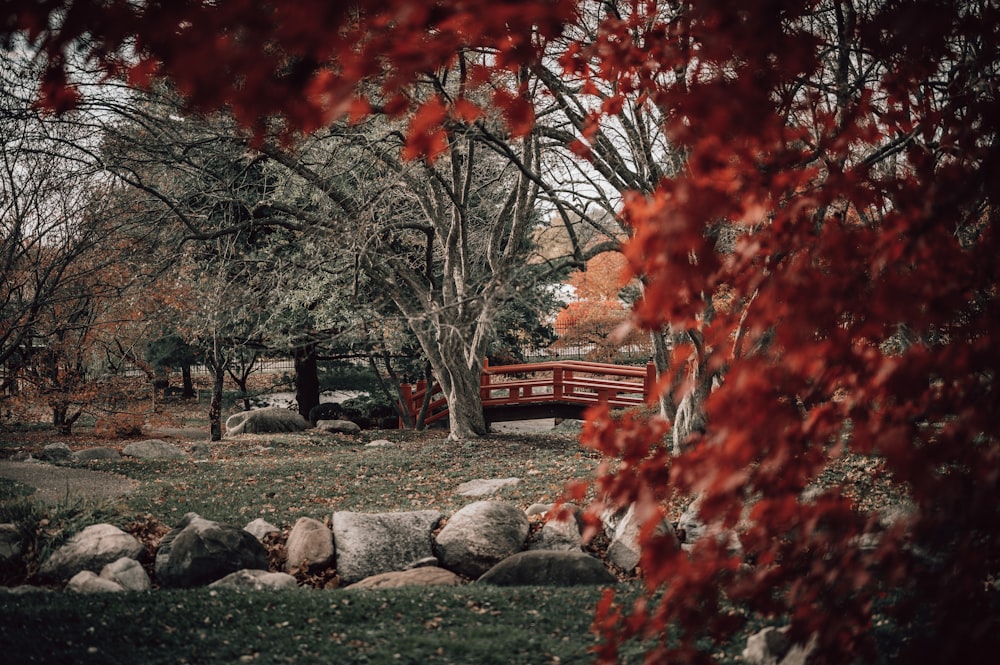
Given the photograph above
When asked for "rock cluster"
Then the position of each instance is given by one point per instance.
(487, 541)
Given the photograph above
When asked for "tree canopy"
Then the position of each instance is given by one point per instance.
(846, 149)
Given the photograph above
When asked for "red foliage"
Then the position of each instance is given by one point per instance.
(300, 61)
(864, 298)
(851, 147)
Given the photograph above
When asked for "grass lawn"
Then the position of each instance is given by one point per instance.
(281, 478)
(470, 624)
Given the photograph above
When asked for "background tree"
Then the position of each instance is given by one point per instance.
(598, 314)
(65, 251)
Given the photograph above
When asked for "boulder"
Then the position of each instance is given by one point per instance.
(423, 576)
(128, 574)
(338, 426)
(483, 487)
(548, 568)
(771, 646)
(380, 443)
(91, 549)
(256, 580)
(480, 535)
(265, 421)
(87, 581)
(153, 449)
(55, 452)
(309, 546)
(99, 453)
(373, 543)
(624, 550)
(199, 551)
(260, 527)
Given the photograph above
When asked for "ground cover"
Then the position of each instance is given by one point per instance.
(281, 478)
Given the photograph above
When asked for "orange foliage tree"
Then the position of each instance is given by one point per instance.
(852, 147)
(597, 317)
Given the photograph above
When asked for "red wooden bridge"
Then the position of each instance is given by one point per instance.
(562, 389)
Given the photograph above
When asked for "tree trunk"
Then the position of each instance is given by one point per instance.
(306, 379)
(187, 391)
(460, 384)
(215, 407)
(59, 421)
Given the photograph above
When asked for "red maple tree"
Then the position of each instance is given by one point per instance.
(849, 145)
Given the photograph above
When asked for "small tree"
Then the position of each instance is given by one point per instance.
(597, 317)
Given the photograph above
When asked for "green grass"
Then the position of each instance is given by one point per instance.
(472, 624)
(281, 478)
(284, 477)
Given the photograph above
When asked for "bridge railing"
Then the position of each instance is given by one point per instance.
(563, 382)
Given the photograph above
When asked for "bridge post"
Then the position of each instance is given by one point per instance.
(484, 380)
(557, 383)
(649, 382)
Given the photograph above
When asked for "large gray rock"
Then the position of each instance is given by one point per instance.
(87, 581)
(153, 449)
(257, 580)
(480, 535)
(338, 426)
(127, 573)
(309, 546)
(423, 576)
(55, 452)
(200, 551)
(265, 421)
(548, 568)
(373, 543)
(624, 550)
(91, 549)
(484, 486)
(99, 453)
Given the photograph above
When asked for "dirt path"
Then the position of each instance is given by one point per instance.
(58, 483)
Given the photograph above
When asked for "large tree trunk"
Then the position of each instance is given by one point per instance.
(62, 422)
(460, 384)
(306, 379)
